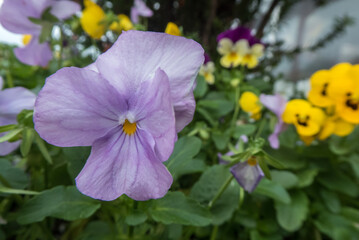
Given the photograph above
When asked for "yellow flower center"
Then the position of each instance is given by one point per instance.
(352, 103)
(252, 161)
(129, 128)
(302, 121)
(324, 90)
(26, 39)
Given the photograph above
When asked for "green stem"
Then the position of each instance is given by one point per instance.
(214, 233)
(241, 197)
(260, 128)
(220, 192)
(245, 157)
(9, 79)
(236, 110)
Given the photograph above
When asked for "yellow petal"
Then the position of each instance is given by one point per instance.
(327, 129)
(318, 94)
(91, 19)
(307, 140)
(343, 128)
(294, 107)
(257, 50)
(172, 29)
(209, 77)
(230, 60)
(249, 102)
(225, 46)
(250, 61)
(311, 129)
(124, 24)
(242, 47)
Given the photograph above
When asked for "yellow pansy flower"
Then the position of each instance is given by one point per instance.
(124, 24)
(320, 81)
(26, 39)
(345, 93)
(230, 53)
(91, 19)
(337, 126)
(172, 29)
(250, 103)
(207, 71)
(306, 118)
(250, 54)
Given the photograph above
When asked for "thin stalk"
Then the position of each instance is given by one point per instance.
(236, 110)
(9, 79)
(214, 233)
(260, 128)
(220, 192)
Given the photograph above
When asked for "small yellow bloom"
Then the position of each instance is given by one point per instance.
(337, 126)
(91, 19)
(250, 54)
(207, 71)
(250, 103)
(172, 29)
(345, 92)
(26, 39)
(320, 81)
(307, 119)
(124, 24)
(230, 53)
(307, 140)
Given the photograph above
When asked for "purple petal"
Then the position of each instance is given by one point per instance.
(247, 176)
(14, 100)
(134, 15)
(121, 164)
(152, 104)
(237, 34)
(140, 54)
(274, 137)
(184, 111)
(206, 58)
(35, 53)
(275, 103)
(142, 9)
(76, 107)
(221, 160)
(14, 15)
(8, 147)
(64, 9)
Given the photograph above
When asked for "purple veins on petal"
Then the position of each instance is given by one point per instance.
(248, 174)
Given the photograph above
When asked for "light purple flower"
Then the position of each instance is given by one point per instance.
(126, 106)
(12, 102)
(276, 104)
(14, 16)
(248, 174)
(237, 34)
(140, 9)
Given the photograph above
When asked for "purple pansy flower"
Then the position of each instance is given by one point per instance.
(14, 16)
(276, 104)
(12, 102)
(206, 58)
(248, 174)
(140, 9)
(128, 106)
(237, 34)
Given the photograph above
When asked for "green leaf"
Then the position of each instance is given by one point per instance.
(337, 181)
(331, 200)
(201, 87)
(181, 161)
(244, 129)
(98, 230)
(28, 135)
(306, 177)
(285, 178)
(221, 138)
(272, 161)
(6, 128)
(286, 158)
(176, 208)
(66, 203)
(42, 147)
(14, 176)
(135, 218)
(292, 215)
(76, 158)
(11, 135)
(217, 104)
(263, 165)
(350, 213)
(273, 190)
(208, 186)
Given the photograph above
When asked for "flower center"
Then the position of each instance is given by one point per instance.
(26, 39)
(129, 128)
(324, 91)
(233, 56)
(252, 161)
(302, 121)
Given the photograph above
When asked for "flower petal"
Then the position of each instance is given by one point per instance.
(152, 105)
(275, 103)
(14, 100)
(140, 54)
(247, 176)
(76, 107)
(14, 15)
(64, 9)
(35, 53)
(121, 164)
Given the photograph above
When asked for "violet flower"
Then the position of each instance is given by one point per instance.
(276, 104)
(128, 106)
(12, 102)
(140, 9)
(248, 174)
(237, 34)
(14, 16)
